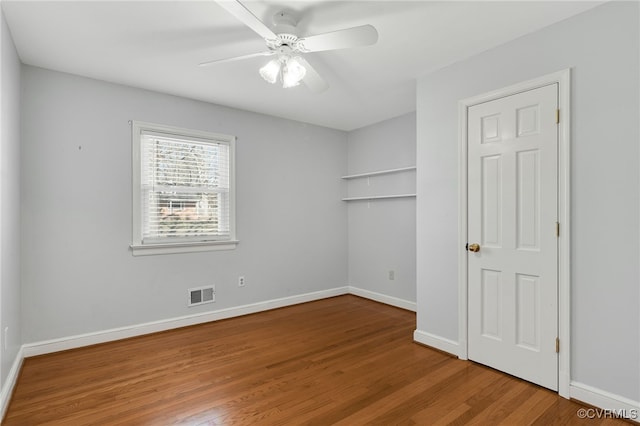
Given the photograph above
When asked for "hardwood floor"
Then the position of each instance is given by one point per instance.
(343, 361)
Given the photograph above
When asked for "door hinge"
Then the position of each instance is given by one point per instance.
(557, 229)
(557, 345)
(557, 115)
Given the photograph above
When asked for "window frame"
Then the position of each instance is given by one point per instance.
(141, 248)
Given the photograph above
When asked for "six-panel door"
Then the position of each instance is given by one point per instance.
(512, 214)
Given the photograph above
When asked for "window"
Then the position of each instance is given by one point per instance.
(183, 190)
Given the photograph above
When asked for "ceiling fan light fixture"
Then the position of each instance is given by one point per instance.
(290, 68)
(271, 71)
(292, 73)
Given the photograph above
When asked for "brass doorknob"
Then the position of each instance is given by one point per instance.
(474, 247)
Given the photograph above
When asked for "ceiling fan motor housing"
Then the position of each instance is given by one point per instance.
(286, 34)
(291, 41)
(285, 22)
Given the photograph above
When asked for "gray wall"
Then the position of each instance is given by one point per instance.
(601, 46)
(78, 273)
(9, 200)
(382, 233)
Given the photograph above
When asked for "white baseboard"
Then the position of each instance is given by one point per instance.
(10, 383)
(612, 404)
(609, 403)
(579, 391)
(77, 341)
(437, 342)
(383, 298)
(71, 342)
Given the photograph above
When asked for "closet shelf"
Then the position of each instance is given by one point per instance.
(379, 172)
(378, 197)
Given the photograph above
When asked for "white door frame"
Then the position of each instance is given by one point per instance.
(563, 78)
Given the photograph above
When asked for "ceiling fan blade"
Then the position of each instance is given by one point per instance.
(238, 58)
(312, 79)
(364, 35)
(245, 16)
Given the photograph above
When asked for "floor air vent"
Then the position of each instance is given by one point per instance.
(201, 295)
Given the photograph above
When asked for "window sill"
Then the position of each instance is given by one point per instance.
(187, 247)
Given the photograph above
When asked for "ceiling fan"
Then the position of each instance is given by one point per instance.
(289, 67)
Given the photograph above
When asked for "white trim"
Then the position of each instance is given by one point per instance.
(564, 240)
(383, 298)
(379, 197)
(379, 172)
(87, 339)
(437, 342)
(173, 248)
(10, 383)
(579, 391)
(462, 230)
(605, 400)
(80, 340)
(563, 79)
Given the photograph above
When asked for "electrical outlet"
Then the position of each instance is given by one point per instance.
(240, 281)
(392, 275)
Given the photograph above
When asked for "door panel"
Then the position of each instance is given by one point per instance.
(528, 192)
(528, 311)
(491, 302)
(491, 201)
(512, 213)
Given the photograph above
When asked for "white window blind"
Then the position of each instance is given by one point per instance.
(185, 187)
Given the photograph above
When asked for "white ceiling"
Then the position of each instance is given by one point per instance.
(157, 45)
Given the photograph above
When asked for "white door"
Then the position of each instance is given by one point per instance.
(512, 217)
